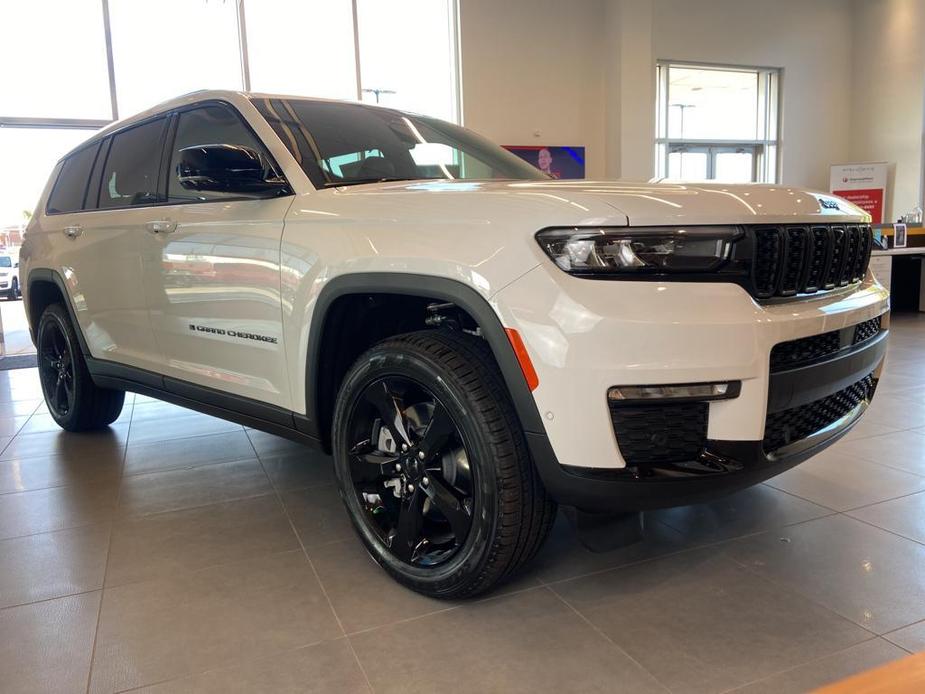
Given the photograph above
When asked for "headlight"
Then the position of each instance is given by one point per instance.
(639, 250)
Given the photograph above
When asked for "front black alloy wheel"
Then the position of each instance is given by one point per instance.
(433, 466)
(410, 471)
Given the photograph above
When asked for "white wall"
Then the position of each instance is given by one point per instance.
(535, 66)
(583, 72)
(809, 40)
(887, 94)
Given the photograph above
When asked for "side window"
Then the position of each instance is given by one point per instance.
(209, 125)
(68, 193)
(130, 174)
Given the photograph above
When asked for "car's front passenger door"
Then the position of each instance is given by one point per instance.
(212, 272)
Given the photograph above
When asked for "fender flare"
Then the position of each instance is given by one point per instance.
(44, 274)
(442, 289)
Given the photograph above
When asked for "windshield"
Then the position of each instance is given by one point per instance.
(5, 261)
(347, 144)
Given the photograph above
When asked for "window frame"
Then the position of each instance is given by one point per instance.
(98, 144)
(170, 140)
(766, 163)
(102, 171)
(95, 180)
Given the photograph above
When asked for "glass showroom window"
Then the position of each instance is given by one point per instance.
(53, 58)
(172, 47)
(30, 154)
(717, 123)
(408, 55)
(301, 47)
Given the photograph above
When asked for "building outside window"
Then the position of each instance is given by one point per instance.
(717, 123)
(101, 60)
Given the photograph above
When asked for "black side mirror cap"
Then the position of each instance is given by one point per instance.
(229, 169)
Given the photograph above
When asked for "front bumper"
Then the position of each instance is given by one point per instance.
(591, 335)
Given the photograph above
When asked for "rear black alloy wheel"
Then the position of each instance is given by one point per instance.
(74, 401)
(56, 369)
(433, 466)
(410, 471)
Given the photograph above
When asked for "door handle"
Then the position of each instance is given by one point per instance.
(161, 226)
(72, 232)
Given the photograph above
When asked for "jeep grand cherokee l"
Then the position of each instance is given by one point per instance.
(473, 341)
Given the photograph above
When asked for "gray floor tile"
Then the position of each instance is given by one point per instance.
(305, 468)
(173, 490)
(107, 444)
(192, 622)
(904, 450)
(319, 669)
(911, 638)
(749, 511)
(187, 452)
(17, 408)
(528, 642)
(10, 426)
(318, 515)
(42, 472)
(700, 622)
(904, 516)
(827, 670)
(868, 575)
(563, 556)
(164, 544)
(46, 646)
(179, 427)
(841, 481)
(44, 510)
(51, 565)
(362, 593)
(268, 444)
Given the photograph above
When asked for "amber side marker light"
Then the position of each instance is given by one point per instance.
(523, 358)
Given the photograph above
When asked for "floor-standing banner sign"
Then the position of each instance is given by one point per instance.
(862, 184)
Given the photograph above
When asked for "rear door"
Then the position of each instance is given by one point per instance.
(98, 206)
(212, 272)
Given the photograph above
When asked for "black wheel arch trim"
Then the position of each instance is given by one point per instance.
(44, 274)
(441, 288)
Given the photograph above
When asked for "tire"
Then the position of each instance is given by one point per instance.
(73, 400)
(15, 291)
(467, 461)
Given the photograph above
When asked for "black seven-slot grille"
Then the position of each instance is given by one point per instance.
(660, 433)
(791, 260)
(787, 426)
(807, 349)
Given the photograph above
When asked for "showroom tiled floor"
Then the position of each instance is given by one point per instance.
(180, 553)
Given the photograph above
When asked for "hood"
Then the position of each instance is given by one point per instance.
(648, 204)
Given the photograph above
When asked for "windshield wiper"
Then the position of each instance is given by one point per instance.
(362, 181)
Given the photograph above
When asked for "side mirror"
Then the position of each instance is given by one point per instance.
(228, 169)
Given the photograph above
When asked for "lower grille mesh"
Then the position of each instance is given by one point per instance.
(660, 433)
(783, 428)
(866, 330)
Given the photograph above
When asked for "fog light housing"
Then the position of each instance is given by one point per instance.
(721, 390)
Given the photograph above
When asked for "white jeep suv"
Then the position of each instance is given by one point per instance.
(473, 341)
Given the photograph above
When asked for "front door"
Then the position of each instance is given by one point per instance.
(212, 272)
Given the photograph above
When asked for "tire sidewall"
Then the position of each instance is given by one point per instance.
(383, 362)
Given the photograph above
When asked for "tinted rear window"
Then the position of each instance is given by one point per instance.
(132, 167)
(68, 193)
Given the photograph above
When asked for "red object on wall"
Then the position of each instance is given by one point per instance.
(869, 200)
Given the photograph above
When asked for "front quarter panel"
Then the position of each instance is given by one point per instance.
(460, 232)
